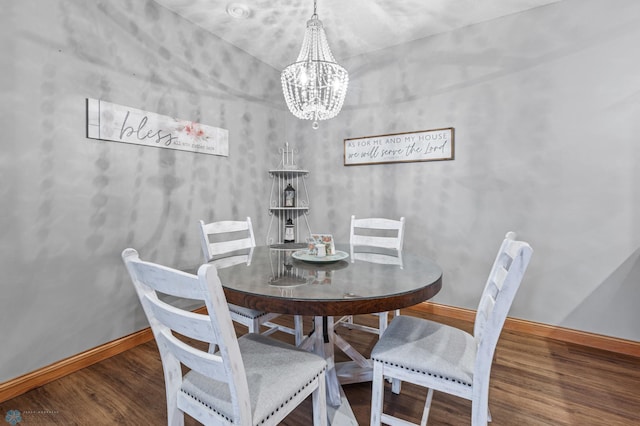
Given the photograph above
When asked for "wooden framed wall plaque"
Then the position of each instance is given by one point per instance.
(424, 145)
(117, 123)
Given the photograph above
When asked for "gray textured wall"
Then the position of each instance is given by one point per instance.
(70, 205)
(545, 106)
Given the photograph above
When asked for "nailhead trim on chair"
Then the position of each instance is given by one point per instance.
(269, 415)
(207, 405)
(247, 316)
(449, 379)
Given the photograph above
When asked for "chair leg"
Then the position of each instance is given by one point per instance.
(427, 407)
(396, 384)
(383, 320)
(254, 326)
(319, 401)
(175, 417)
(480, 414)
(377, 394)
(298, 327)
(173, 380)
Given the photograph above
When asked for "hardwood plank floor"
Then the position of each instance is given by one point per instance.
(534, 381)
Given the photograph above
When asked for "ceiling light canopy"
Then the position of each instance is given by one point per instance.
(315, 85)
(238, 10)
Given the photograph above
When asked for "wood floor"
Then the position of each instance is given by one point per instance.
(534, 381)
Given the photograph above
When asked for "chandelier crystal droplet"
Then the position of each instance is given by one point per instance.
(315, 85)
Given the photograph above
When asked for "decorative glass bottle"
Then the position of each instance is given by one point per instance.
(289, 232)
(289, 196)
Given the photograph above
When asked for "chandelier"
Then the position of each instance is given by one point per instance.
(315, 85)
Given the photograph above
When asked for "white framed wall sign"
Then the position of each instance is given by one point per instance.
(112, 122)
(424, 145)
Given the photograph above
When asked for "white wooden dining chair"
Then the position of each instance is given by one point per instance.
(251, 380)
(224, 237)
(447, 359)
(382, 233)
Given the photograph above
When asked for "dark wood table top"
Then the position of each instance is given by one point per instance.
(271, 280)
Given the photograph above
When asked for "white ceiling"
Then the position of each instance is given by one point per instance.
(274, 29)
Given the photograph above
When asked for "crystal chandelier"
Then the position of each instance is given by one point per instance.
(315, 85)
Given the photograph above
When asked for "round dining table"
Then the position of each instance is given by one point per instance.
(283, 279)
(274, 279)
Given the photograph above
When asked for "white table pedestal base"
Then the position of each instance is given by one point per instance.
(322, 341)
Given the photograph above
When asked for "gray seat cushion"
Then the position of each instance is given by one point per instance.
(428, 347)
(275, 371)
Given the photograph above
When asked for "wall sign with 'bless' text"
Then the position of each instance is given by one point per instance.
(426, 145)
(112, 122)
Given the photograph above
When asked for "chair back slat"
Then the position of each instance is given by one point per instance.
(499, 277)
(166, 280)
(485, 307)
(225, 237)
(373, 241)
(190, 324)
(229, 246)
(376, 223)
(380, 258)
(377, 232)
(226, 262)
(207, 364)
